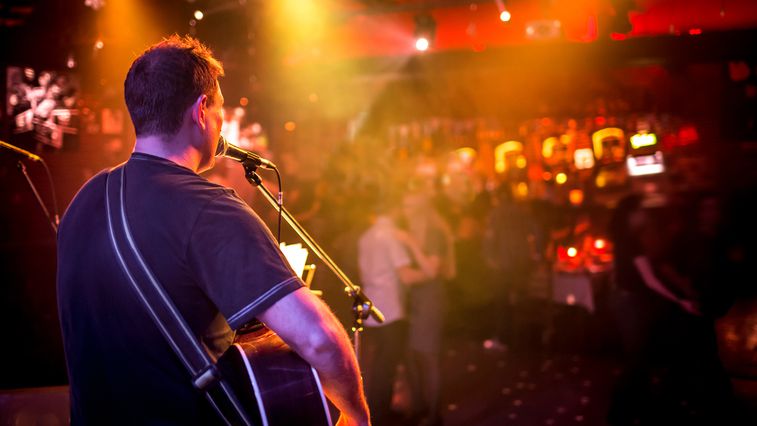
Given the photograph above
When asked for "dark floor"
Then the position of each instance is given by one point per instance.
(516, 387)
(491, 388)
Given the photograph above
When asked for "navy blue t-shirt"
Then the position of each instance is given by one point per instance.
(216, 259)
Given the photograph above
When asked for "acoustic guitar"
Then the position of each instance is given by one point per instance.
(273, 384)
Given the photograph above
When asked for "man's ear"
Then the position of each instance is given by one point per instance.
(199, 110)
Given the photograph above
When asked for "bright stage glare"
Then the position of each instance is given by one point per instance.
(199, 15)
(505, 16)
(99, 44)
(422, 44)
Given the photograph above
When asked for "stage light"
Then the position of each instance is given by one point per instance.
(504, 14)
(572, 252)
(599, 244)
(290, 126)
(422, 44)
(425, 29)
(70, 62)
(99, 44)
(561, 178)
(199, 15)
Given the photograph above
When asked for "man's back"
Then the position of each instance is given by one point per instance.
(207, 249)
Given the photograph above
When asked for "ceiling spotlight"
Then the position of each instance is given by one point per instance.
(425, 29)
(504, 14)
(421, 44)
(99, 44)
(199, 15)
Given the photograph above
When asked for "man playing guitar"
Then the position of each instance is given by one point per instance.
(215, 258)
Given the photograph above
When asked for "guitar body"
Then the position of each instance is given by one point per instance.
(273, 383)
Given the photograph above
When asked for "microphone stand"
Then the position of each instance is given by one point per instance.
(362, 307)
(53, 222)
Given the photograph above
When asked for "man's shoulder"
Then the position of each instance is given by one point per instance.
(375, 234)
(91, 192)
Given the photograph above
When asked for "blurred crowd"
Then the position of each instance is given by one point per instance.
(469, 256)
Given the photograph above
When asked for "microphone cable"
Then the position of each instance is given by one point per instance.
(280, 203)
(56, 216)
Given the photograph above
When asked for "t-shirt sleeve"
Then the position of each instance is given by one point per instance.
(236, 260)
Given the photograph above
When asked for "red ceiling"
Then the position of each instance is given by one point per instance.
(476, 26)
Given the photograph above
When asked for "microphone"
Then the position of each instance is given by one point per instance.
(228, 150)
(20, 151)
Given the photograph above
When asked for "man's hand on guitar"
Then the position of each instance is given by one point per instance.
(307, 325)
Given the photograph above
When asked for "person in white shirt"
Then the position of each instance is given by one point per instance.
(384, 256)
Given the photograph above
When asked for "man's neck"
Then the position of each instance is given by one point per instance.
(170, 149)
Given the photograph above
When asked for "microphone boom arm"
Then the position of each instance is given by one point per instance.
(362, 306)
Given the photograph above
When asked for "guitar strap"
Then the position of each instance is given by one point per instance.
(158, 304)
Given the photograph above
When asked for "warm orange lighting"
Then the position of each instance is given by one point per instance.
(501, 152)
(599, 244)
(600, 135)
(548, 147)
(505, 16)
(99, 44)
(466, 155)
(520, 162)
(290, 126)
(572, 252)
(199, 15)
(313, 97)
(561, 178)
(546, 176)
(576, 197)
(521, 190)
(243, 101)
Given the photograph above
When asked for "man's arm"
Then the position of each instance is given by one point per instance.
(307, 325)
(429, 265)
(409, 275)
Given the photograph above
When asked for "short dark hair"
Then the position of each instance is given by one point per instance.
(165, 80)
